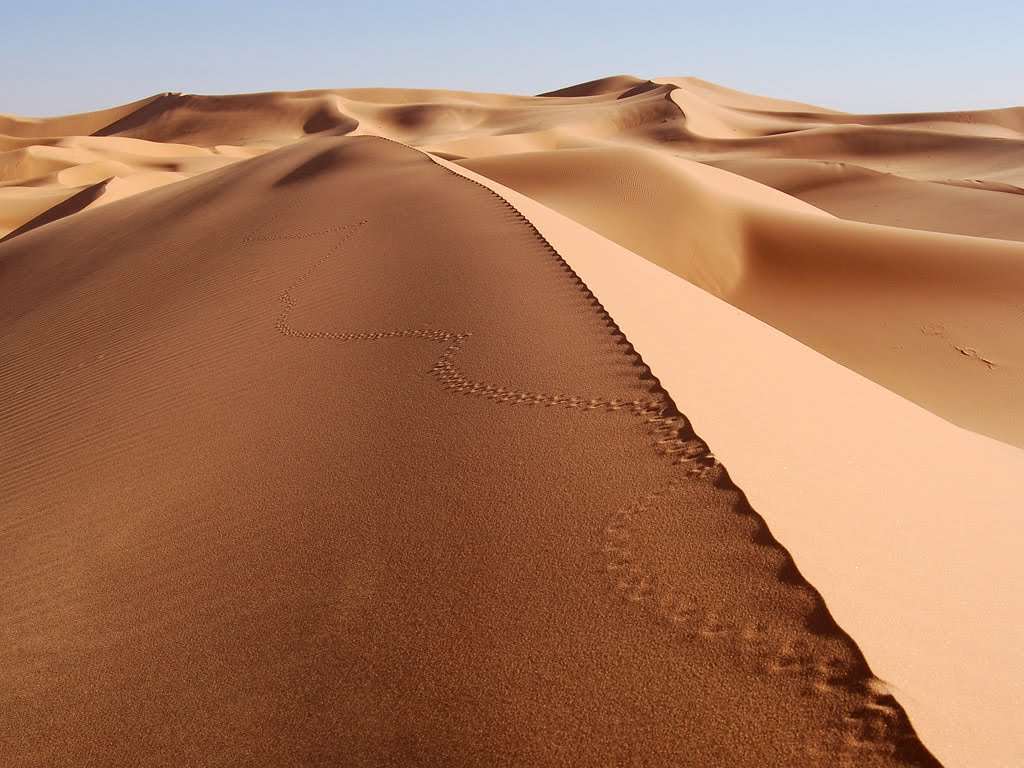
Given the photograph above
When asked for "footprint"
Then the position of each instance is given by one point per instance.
(681, 613)
(794, 656)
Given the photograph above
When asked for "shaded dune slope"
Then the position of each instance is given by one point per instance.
(241, 119)
(856, 481)
(933, 317)
(975, 209)
(202, 564)
(618, 85)
(78, 125)
(78, 201)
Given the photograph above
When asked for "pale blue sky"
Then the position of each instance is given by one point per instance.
(857, 56)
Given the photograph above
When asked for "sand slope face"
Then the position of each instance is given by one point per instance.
(904, 551)
(685, 216)
(936, 318)
(146, 144)
(327, 457)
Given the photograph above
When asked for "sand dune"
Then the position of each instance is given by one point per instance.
(935, 318)
(243, 312)
(685, 216)
(867, 521)
(82, 124)
(316, 450)
(860, 194)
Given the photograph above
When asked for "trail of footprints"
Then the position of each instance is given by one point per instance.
(878, 727)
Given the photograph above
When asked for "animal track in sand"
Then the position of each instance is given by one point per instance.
(878, 726)
(939, 330)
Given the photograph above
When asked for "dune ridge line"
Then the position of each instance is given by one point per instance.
(882, 724)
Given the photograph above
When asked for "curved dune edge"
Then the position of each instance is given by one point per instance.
(908, 509)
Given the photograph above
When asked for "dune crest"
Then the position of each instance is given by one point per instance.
(870, 521)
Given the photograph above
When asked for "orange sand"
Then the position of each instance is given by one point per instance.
(313, 450)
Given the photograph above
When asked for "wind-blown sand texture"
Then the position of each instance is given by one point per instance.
(329, 457)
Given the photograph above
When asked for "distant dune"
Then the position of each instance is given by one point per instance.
(392, 426)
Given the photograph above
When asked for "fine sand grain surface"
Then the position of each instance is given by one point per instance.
(315, 450)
